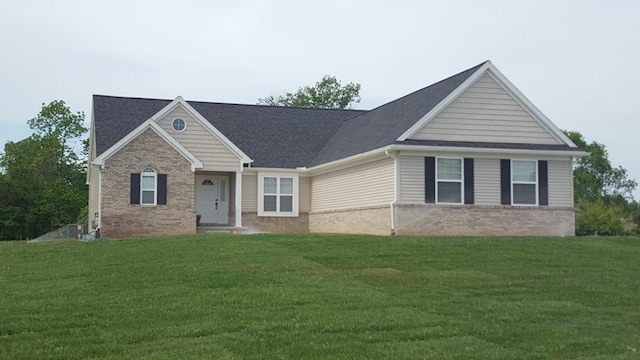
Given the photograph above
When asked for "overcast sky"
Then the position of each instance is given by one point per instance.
(575, 60)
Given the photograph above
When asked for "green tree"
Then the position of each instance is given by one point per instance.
(328, 93)
(595, 178)
(598, 218)
(42, 185)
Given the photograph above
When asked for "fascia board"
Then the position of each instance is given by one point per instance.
(179, 101)
(426, 148)
(149, 124)
(444, 103)
(348, 160)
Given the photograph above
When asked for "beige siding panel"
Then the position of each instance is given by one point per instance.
(364, 185)
(560, 183)
(304, 191)
(94, 193)
(411, 179)
(486, 113)
(249, 192)
(486, 180)
(214, 155)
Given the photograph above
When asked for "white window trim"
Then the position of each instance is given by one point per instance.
(155, 187)
(536, 183)
(261, 176)
(183, 120)
(461, 181)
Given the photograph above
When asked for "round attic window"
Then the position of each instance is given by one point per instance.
(178, 124)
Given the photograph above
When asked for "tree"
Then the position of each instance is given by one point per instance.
(42, 185)
(597, 218)
(328, 93)
(595, 178)
(602, 193)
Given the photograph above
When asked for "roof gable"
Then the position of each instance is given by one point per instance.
(179, 102)
(152, 125)
(533, 121)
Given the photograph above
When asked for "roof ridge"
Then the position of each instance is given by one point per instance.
(230, 103)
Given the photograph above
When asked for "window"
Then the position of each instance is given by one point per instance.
(148, 186)
(278, 194)
(449, 180)
(178, 124)
(524, 182)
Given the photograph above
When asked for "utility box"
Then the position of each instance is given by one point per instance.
(75, 231)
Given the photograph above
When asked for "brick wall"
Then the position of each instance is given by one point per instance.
(474, 220)
(275, 224)
(121, 219)
(366, 220)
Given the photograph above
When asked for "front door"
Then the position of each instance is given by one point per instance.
(212, 200)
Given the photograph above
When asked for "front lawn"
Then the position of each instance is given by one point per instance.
(321, 297)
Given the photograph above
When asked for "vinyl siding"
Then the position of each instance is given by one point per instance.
(304, 190)
(210, 150)
(250, 192)
(411, 179)
(485, 113)
(560, 183)
(486, 180)
(94, 193)
(364, 185)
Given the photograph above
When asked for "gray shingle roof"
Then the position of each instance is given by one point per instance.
(272, 136)
(281, 137)
(383, 125)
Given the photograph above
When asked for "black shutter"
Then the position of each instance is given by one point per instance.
(134, 193)
(505, 181)
(543, 183)
(468, 181)
(162, 189)
(430, 179)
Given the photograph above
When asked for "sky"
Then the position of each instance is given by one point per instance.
(577, 61)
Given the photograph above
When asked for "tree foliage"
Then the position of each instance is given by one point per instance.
(327, 93)
(597, 218)
(594, 177)
(603, 193)
(42, 185)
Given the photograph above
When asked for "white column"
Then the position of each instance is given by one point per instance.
(238, 198)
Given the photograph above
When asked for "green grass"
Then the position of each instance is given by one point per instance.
(321, 297)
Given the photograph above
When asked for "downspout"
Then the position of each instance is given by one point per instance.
(392, 205)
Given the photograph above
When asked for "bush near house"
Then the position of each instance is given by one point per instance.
(321, 297)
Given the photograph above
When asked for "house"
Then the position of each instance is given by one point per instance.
(469, 155)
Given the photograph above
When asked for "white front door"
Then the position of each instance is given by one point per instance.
(212, 199)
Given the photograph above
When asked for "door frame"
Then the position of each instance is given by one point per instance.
(221, 214)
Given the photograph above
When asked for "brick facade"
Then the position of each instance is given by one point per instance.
(479, 220)
(366, 220)
(121, 219)
(275, 224)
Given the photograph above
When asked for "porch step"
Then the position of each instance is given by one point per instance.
(215, 229)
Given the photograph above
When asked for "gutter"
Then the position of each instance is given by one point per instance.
(392, 205)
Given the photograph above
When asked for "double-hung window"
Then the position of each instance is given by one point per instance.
(148, 186)
(524, 182)
(449, 175)
(278, 194)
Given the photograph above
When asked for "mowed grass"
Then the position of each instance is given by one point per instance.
(321, 297)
